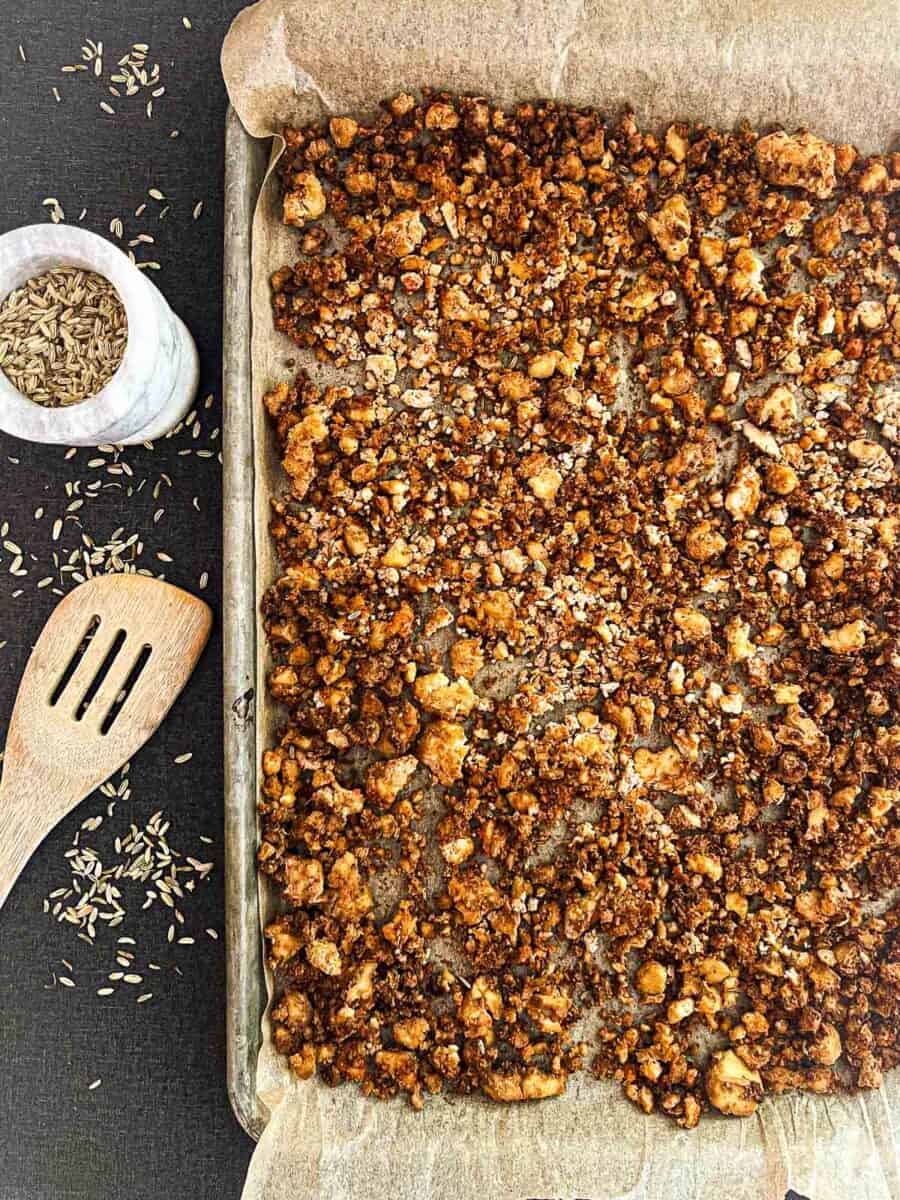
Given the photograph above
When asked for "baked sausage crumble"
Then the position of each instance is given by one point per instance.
(587, 626)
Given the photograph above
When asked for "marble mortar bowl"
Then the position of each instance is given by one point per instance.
(157, 379)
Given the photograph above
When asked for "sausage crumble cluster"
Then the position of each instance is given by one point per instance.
(587, 631)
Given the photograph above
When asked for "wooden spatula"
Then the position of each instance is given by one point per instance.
(106, 669)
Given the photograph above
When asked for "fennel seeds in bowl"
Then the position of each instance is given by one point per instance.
(62, 336)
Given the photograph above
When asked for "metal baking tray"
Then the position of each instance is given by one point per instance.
(791, 1128)
(245, 165)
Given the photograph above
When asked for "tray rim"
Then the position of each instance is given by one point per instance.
(245, 164)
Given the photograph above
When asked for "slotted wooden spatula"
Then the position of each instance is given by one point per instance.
(106, 669)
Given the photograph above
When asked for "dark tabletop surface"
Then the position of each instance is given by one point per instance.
(159, 1123)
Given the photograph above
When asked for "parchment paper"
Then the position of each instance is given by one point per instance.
(830, 66)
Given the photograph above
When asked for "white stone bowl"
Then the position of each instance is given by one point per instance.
(157, 379)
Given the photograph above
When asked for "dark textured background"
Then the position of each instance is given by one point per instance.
(159, 1124)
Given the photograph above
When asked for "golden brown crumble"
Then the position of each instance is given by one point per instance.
(587, 631)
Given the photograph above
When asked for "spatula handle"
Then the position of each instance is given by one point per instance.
(20, 832)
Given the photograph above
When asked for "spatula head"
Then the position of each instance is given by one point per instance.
(104, 672)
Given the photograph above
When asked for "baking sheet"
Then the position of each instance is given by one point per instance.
(790, 63)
